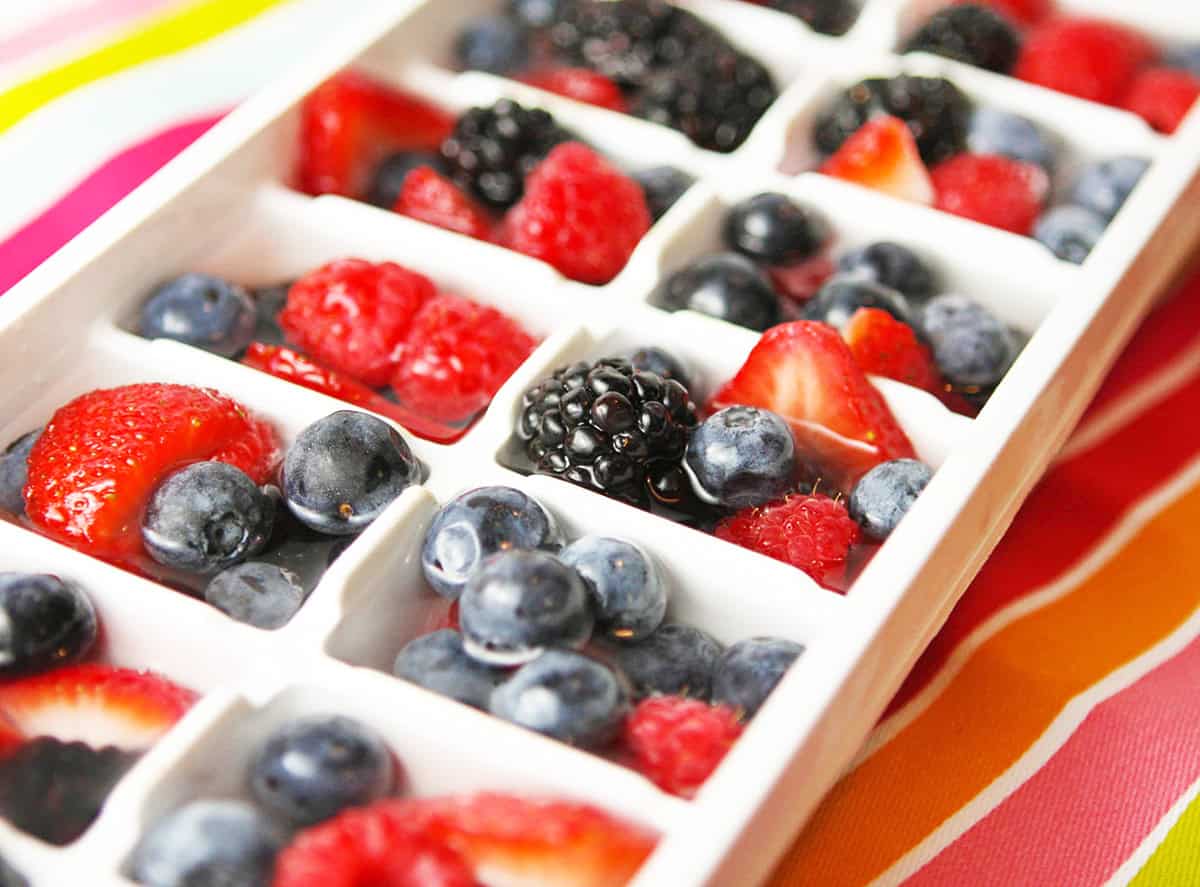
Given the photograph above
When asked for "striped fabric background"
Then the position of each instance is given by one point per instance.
(1051, 733)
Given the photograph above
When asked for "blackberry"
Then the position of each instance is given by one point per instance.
(933, 107)
(610, 428)
(491, 150)
(971, 34)
(715, 98)
(833, 17)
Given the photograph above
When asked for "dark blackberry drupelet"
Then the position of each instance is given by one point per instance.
(833, 17)
(932, 107)
(969, 33)
(491, 150)
(610, 428)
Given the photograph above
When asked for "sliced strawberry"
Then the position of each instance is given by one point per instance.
(805, 372)
(581, 84)
(883, 346)
(101, 456)
(883, 155)
(97, 704)
(350, 122)
(429, 197)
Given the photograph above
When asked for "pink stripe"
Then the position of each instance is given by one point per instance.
(73, 23)
(1081, 815)
(41, 238)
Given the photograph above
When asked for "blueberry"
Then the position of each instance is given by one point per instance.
(564, 695)
(200, 310)
(891, 265)
(727, 286)
(1103, 187)
(536, 13)
(1186, 58)
(992, 131)
(388, 178)
(262, 595)
(748, 671)
(493, 43)
(1070, 232)
(480, 523)
(520, 602)
(676, 660)
(44, 622)
(884, 494)
(438, 662)
(206, 517)
(741, 456)
(208, 842)
(970, 345)
(268, 302)
(774, 229)
(311, 768)
(663, 186)
(843, 294)
(655, 360)
(631, 597)
(14, 471)
(344, 470)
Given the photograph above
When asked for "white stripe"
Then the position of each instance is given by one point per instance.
(1137, 861)
(70, 135)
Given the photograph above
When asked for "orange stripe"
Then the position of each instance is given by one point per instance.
(1001, 702)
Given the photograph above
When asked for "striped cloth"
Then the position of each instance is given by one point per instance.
(1051, 733)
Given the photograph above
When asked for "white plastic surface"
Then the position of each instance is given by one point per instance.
(224, 207)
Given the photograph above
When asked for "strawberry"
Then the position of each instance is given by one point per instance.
(993, 190)
(457, 355)
(1025, 13)
(98, 704)
(353, 316)
(883, 346)
(351, 122)
(1162, 97)
(101, 456)
(1084, 57)
(812, 533)
(581, 84)
(883, 155)
(429, 197)
(678, 742)
(10, 736)
(805, 372)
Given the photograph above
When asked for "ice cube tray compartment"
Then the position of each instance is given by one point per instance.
(226, 207)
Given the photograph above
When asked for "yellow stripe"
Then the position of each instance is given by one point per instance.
(170, 34)
(1177, 859)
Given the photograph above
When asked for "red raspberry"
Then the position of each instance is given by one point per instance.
(1162, 97)
(580, 214)
(457, 355)
(373, 846)
(678, 742)
(581, 84)
(883, 346)
(353, 316)
(1022, 12)
(1089, 58)
(101, 456)
(994, 190)
(812, 532)
(429, 197)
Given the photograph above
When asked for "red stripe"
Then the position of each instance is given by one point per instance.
(42, 237)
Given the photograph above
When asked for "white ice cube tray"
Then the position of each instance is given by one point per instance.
(224, 207)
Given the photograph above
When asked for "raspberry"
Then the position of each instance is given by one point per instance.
(429, 197)
(677, 742)
(457, 355)
(994, 190)
(1162, 97)
(1022, 12)
(811, 532)
(581, 84)
(353, 316)
(579, 214)
(1088, 58)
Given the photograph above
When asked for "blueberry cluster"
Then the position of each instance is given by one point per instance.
(1072, 229)
(584, 624)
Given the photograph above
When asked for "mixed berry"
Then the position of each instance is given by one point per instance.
(320, 804)
(187, 486)
(647, 57)
(1090, 58)
(70, 726)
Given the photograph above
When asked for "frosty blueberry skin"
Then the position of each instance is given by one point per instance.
(630, 596)
(749, 670)
(439, 662)
(675, 660)
(741, 457)
(208, 842)
(884, 494)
